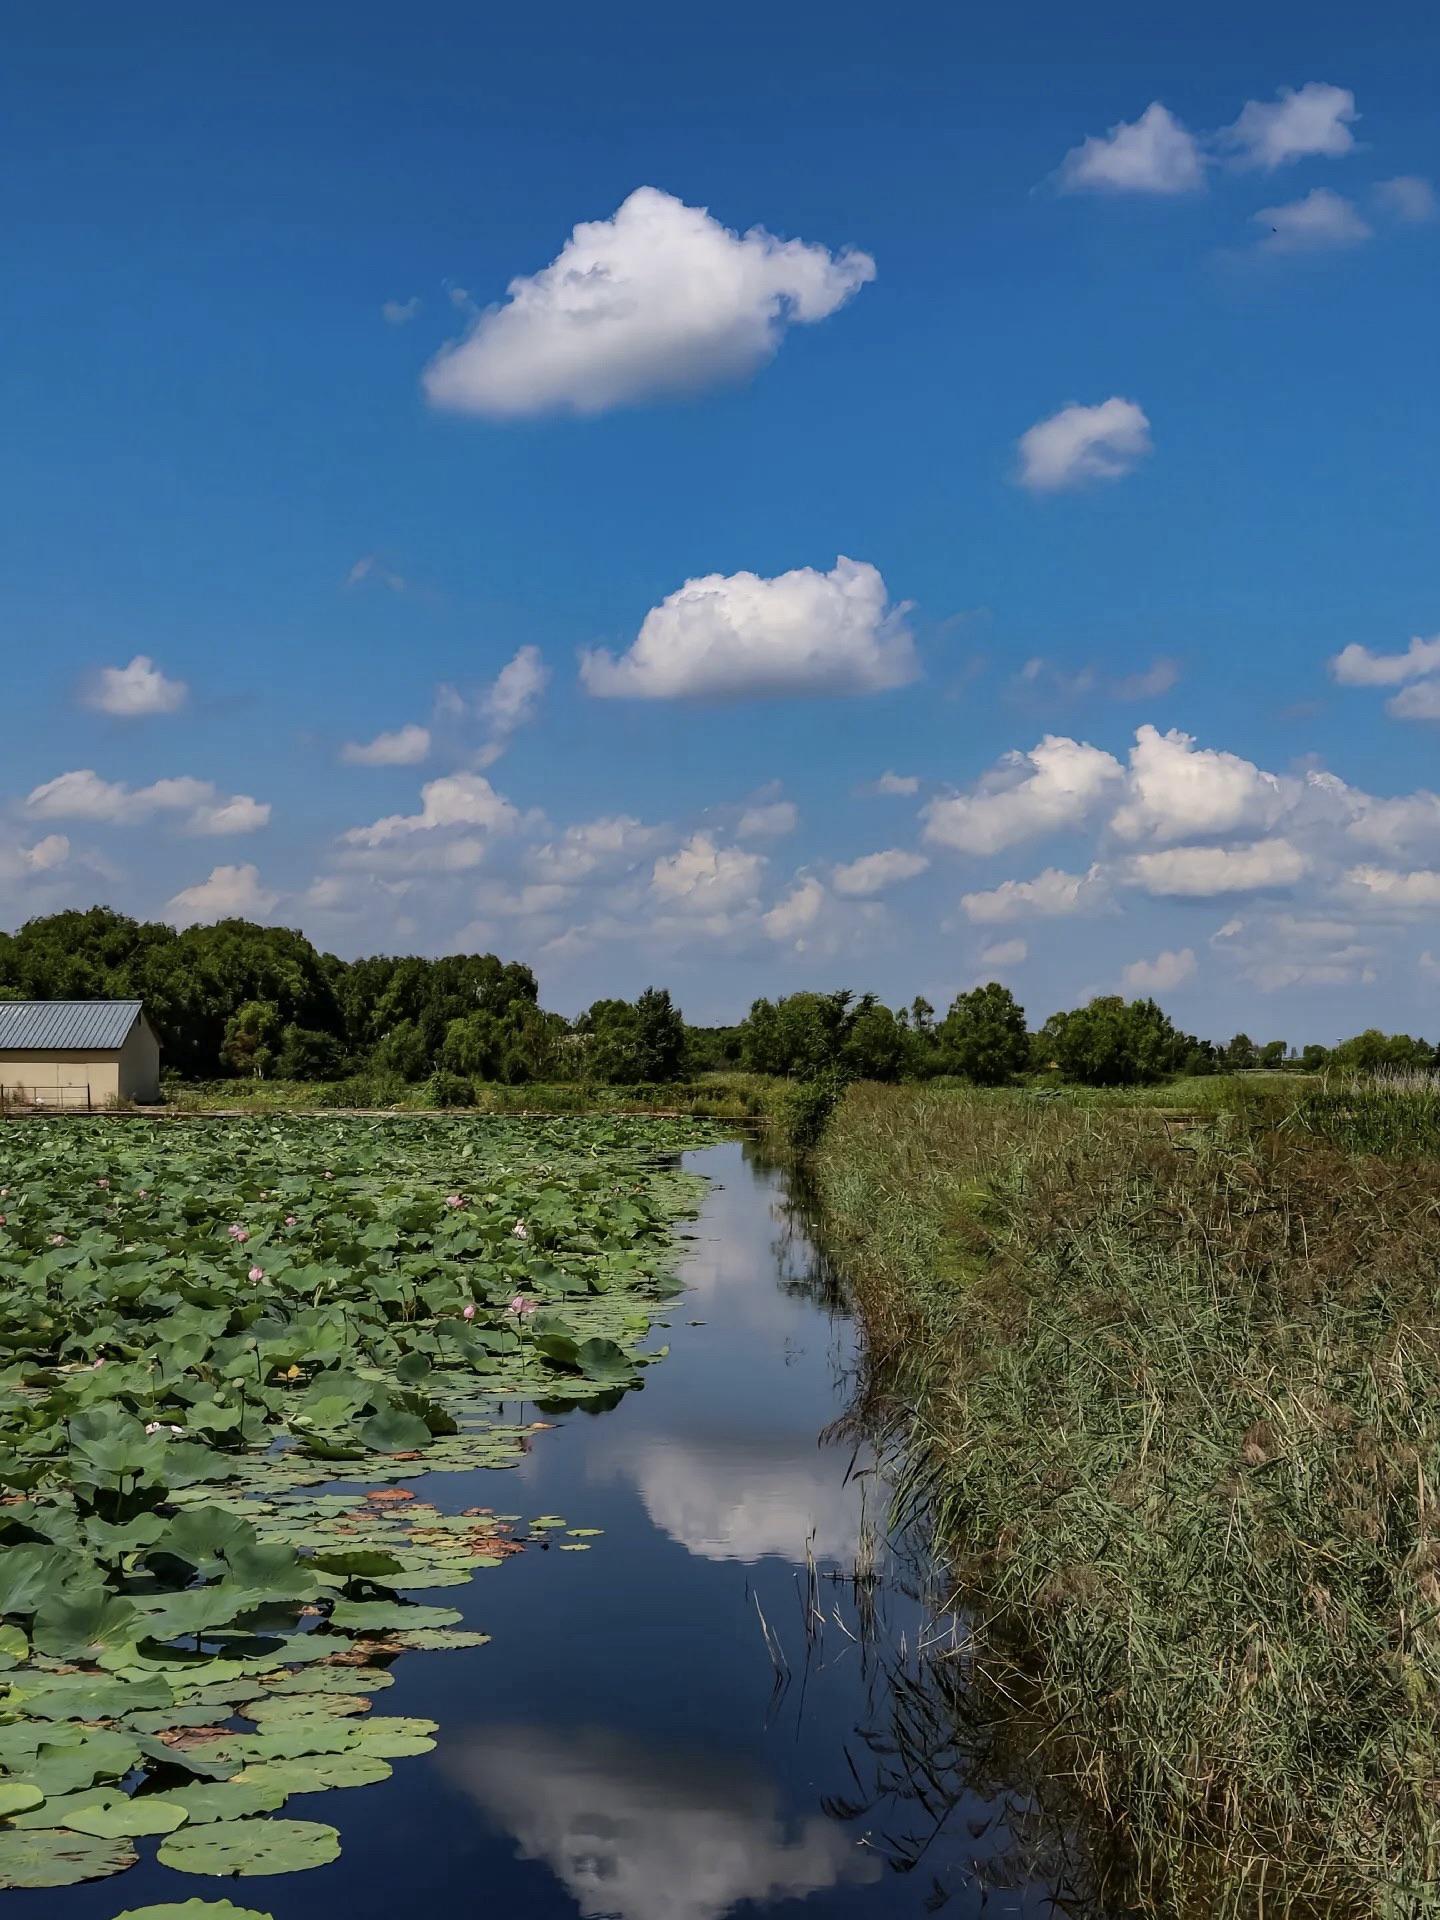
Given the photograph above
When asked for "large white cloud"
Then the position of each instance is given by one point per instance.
(727, 635)
(660, 299)
(873, 872)
(83, 795)
(135, 691)
(1420, 702)
(703, 878)
(1154, 154)
(1320, 220)
(1079, 444)
(768, 820)
(1202, 872)
(1055, 787)
(1357, 666)
(1178, 791)
(1299, 123)
(454, 800)
(228, 893)
(1051, 895)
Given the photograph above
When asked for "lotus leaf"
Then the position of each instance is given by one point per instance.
(18, 1796)
(380, 1616)
(54, 1859)
(312, 1773)
(244, 1847)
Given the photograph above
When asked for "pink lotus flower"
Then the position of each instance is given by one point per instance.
(290, 1220)
(455, 1200)
(102, 1183)
(95, 1365)
(142, 1193)
(57, 1239)
(327, 1175)
(469, 1312)
(238, 1234)
(520, 1230)
(522, 1304)
(257, 1274)
(161, 1426)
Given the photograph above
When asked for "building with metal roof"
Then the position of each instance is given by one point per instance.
(77, 1053)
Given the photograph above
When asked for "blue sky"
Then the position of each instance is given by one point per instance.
(1133, 434)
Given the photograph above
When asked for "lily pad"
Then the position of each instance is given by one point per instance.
(50, 1859)
(18, 1796)
(318, 1771)
(247, 1847)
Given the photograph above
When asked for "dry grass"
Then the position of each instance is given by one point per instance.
(1174, 1412)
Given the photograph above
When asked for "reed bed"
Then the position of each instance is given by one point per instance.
(1171, 1404)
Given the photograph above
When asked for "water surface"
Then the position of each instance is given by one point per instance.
(701, 1716)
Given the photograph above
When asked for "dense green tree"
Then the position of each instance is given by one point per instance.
(627, 1045)
(1314, 1058)
(1272, 1054)
(252, 1039)
(983, 1036)
(875, 1047)
(1114, 1043)
(1240, 1054)
(306, 1054)
(1374, 1051)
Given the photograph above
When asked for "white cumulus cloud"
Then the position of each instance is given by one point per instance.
(1357, 666)
(1202, 872)
(1005, 953)
(1178, 791)
(1385, 887)
(791, 917)
(1300, 123)
(131, 693)
(229, 893)
(703, 878)
(515, 692)
(727, 635)
(872, 873)
(1420, 702)
(768, 820)
(1162, 974)
(1053, 788)
(454, 800)
(1322, 219)
(83, 795)
(1154, 154)
(405, 747)
(660, 299)
(1051, 895)
(1082, 444)
(1408, 198)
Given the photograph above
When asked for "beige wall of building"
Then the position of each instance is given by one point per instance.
(68, 1079)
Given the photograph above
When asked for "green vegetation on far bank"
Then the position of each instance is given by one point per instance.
(1170, 1398)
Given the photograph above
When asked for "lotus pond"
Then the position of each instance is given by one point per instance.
(260, 1381)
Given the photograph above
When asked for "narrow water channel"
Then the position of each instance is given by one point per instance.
(652, 1733)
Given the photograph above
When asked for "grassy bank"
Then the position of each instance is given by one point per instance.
(1173, 1402)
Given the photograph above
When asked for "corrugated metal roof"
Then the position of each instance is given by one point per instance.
(66, 1026)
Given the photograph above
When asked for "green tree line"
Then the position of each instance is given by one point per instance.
(262, 1002)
